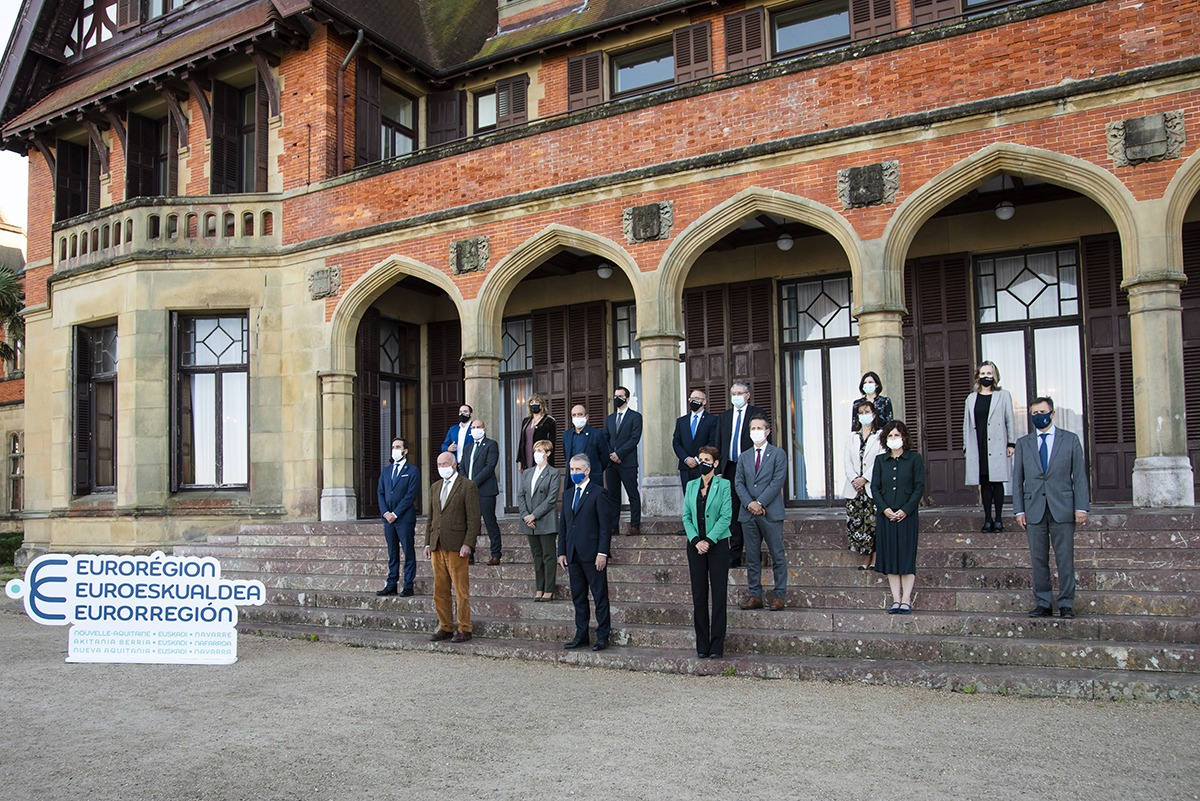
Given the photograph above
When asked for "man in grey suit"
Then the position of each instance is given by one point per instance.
(1050, 497)
(761, 472)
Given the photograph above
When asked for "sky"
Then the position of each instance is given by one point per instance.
(14, 169)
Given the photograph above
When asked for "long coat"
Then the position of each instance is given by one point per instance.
(1001, 430)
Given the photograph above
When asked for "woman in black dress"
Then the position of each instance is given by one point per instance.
(897, 483)
(539, 425)
(870, 386)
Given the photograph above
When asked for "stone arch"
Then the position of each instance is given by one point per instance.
(1183, 189)
(502, 279)
(352, 305)
(697, 237)
(1084, 177)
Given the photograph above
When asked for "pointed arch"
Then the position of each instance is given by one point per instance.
(1182, 190)
(352, 305)
(702, 233)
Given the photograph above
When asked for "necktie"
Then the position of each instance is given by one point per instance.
(620, 417)
(395, 471)
(471, 468)
(757, 459)
(445, 491)
(735, 443)
(578, 496)
(1044, 452)
(695, 422)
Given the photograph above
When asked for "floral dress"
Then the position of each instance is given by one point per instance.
(860, 515)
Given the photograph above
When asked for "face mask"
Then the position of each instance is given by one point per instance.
(539, 457)
(464, 418)
(1042, 420)
(868, 388)
(445, 472)
(895, 443)
(579, 422)
(758, 436)
(477, 433)
(534, 408)
(738, 401)
(705, 468)
(696, 405)
(986, 381)
(866, 419)
(578, 478)
(618, 401)
(397, 455)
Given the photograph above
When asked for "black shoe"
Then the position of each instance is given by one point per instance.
(1067, 612)
(577, 642)
(407, 592)
(1042, 611)
(386, 591)
(987, 526)
(715, 655)
(736, 562)
(600, 645)
(701, 656)
(997, 527)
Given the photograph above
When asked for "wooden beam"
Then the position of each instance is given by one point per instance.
(43, 147)
(197, 91)
(175, 109)
(93, 132)
(118, 125)
(261, 62)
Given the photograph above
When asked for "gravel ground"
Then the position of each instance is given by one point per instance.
(300, 720)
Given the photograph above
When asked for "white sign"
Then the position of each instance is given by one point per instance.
(154, 609)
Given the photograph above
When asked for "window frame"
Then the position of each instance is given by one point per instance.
(88, 380)
(824, 44)
(16, 471)
(389, 128)
(492, 92)
(614, 67)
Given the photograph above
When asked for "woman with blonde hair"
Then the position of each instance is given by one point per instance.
(537, 426)
(989, 440)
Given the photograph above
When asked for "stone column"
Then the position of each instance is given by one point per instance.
(338, 501)
(880, 295)
(661, 495)
(1162, 472)
(482, 388)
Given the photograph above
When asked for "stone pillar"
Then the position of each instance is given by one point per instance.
(661, 495)
(482, 388)
(1162, 472)
(881, 349)
(338, 501)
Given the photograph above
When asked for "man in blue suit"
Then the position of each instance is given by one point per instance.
(456, 438)
(584, 536)
(693, 431)
(399, 484)
(583, 439)
(478, 461)
(623, 432)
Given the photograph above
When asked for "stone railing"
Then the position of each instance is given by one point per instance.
(179, 226)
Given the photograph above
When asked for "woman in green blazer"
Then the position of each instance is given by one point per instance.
(707, 512)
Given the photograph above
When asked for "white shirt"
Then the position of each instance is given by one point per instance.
(464, 431)
(537, 473)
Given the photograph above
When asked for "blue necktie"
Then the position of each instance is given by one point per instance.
(578, 495)
(695, 422)
(1044, 453)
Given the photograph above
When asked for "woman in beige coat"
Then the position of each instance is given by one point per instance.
(989, 439)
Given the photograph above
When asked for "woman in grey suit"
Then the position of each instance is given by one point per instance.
(989, 438)
(537, 502)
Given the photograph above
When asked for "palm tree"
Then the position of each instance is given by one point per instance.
(12, 323)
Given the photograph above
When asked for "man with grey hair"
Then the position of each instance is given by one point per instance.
(584, 536)
(733, 438)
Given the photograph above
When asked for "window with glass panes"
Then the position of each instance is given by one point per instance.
(212, 400)
(16, 471)
(95, 409)
(516, 385)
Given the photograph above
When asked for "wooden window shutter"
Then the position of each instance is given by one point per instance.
(871, 18)
(705, 353)
(129, 13)
(93, 178)
(585, 84)
(751, 355)
(71, 164)
(368, 122)
(446, 382)
(1190, 300)
(447, 118)
(586, 359)
(262, 136)
(512, 101)
(172, 157)
(226, 139)
(929, 11)
(693, 52)
(745, 39)
(366, 352)
(141, 142)
(549, 327)
(82, 472)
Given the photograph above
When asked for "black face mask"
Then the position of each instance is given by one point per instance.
(696, 405)
(534, 408)
(986, 381)
(618, 401)
(464, 418)
(705, 468)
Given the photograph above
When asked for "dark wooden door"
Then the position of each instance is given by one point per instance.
(446, 386)
(727, 333)
(569, 360)
(366, 443)
(1191, 344)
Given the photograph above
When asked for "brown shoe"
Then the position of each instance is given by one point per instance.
(752, 602)
(461, 636)
(776, 604)
(635, 531)
(441, 634)
(493, 560)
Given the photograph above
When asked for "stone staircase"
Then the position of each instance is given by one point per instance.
(1137, 634)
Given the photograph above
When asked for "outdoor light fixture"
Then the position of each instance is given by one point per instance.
(784, 242)
(1005, 210)
(604, 271)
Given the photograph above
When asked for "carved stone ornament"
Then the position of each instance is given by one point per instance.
(1155, 137)
(325, 282)
(470, 255)
(648, 223)
(870, 185)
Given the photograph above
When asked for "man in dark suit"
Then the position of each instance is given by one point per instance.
(584, 536)
(580, 438)
(450, 537)
(1050, 497)
(460, 432)
(761, 472)
(478, 463)
(399, 483)
(623, 432)
(733, 437)
(693, 431)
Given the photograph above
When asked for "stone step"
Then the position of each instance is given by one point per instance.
(965, 677)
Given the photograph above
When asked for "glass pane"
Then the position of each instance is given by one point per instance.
(396, 107)
(213, 341)
(485, 110)
(388, 424)
(518, 356)
(806, 424)
(106, 434)
(514, 400)
(235, 430)
(811, 25)
(843, 390)
(202, 392)
(649, 67)
(1007, 351)
(1059, 372)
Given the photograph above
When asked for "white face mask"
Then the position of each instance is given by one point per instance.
(738, 401)
(539, 457)
(445, 472)
(868, 388)
(758, 436)
(477, 433)
(579, 422)
(895, 443)
(866, 419)
(397, 454)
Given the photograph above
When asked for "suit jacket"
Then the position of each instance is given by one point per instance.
(624, 442)
(458, 524)
(718, 510)
(1001, 430)
(725, 431)
(855, 465)
(764, 485)
(539, 500)
(588, 531)
(594, 446)
(399, 495)
(546, 429)
(1062, 489)
(452, 438)
(683, 442)
(898, 483)
(485, 465)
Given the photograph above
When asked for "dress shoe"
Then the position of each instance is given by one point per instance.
(386, 591)
(987, 526)
(736, 562)
(716, 655)
(752, 602)
(997, 528)
(634, 531)
(600, 645)
(701, 656)
(471, 559)
(441, 634)
(577, 642)
(777, 604)
(1042, 611)
(1067, 612)
(493, 560)
(407, 592)
(461, 636)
